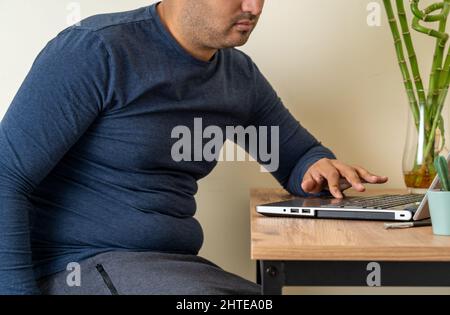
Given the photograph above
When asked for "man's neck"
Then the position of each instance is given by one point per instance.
(169, 19)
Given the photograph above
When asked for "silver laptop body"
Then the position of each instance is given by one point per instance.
(405, 207)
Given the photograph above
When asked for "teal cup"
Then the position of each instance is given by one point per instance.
(439, 204)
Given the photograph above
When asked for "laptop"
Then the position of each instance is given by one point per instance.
(401, 207)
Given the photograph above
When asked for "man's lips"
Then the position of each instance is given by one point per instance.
(244, 25)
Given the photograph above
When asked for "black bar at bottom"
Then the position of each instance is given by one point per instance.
(276, 274)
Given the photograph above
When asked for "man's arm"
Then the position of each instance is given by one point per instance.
(298, 148)
(306, 167)
(65, 90)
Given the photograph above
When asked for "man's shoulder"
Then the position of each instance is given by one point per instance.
(111, 29)
(107, 20)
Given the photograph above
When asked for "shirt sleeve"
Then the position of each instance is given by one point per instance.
(298, 149)
(66, 88)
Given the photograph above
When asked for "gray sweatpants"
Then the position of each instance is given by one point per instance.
(147, 273)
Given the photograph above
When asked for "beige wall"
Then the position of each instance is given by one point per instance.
(336, 74)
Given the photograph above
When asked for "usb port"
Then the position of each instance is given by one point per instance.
(295, 210)
(306, 211)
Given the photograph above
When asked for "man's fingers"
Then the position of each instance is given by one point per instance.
(351, 175)
(339, 177)
(344, 184)
(332, 176)
(369, 177)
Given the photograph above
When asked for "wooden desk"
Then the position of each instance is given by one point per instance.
(321, 252)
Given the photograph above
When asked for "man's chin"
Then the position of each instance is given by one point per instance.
(237, 40)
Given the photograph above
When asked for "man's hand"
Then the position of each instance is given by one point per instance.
(336, 177)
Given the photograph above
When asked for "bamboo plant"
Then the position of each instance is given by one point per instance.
(427, 107)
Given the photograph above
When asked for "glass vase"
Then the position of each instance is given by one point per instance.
(421, 147)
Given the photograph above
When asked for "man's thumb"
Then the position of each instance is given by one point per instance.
(308, 185)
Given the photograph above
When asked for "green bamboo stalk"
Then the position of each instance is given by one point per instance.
(411, 52)
(433, 112)
(435, 81)
(426, 17)
(442, 17)
(402, 62)
(445, 71)
(443, 85)
(442, 38)
(437, 67)
(442, 129)
(437, 117)
(444, 75)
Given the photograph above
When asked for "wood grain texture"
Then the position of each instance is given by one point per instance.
(324, 239)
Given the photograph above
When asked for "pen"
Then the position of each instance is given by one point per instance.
(404, 225)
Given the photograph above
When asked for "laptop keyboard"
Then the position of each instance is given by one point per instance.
(378, 202)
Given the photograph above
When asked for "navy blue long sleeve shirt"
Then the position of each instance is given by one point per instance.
(85, 146)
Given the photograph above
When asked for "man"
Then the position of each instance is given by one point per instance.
(86, 172)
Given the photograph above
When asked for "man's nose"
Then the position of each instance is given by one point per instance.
(254, 7)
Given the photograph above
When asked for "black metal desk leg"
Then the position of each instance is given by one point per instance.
(272, 276)
(258, 272)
